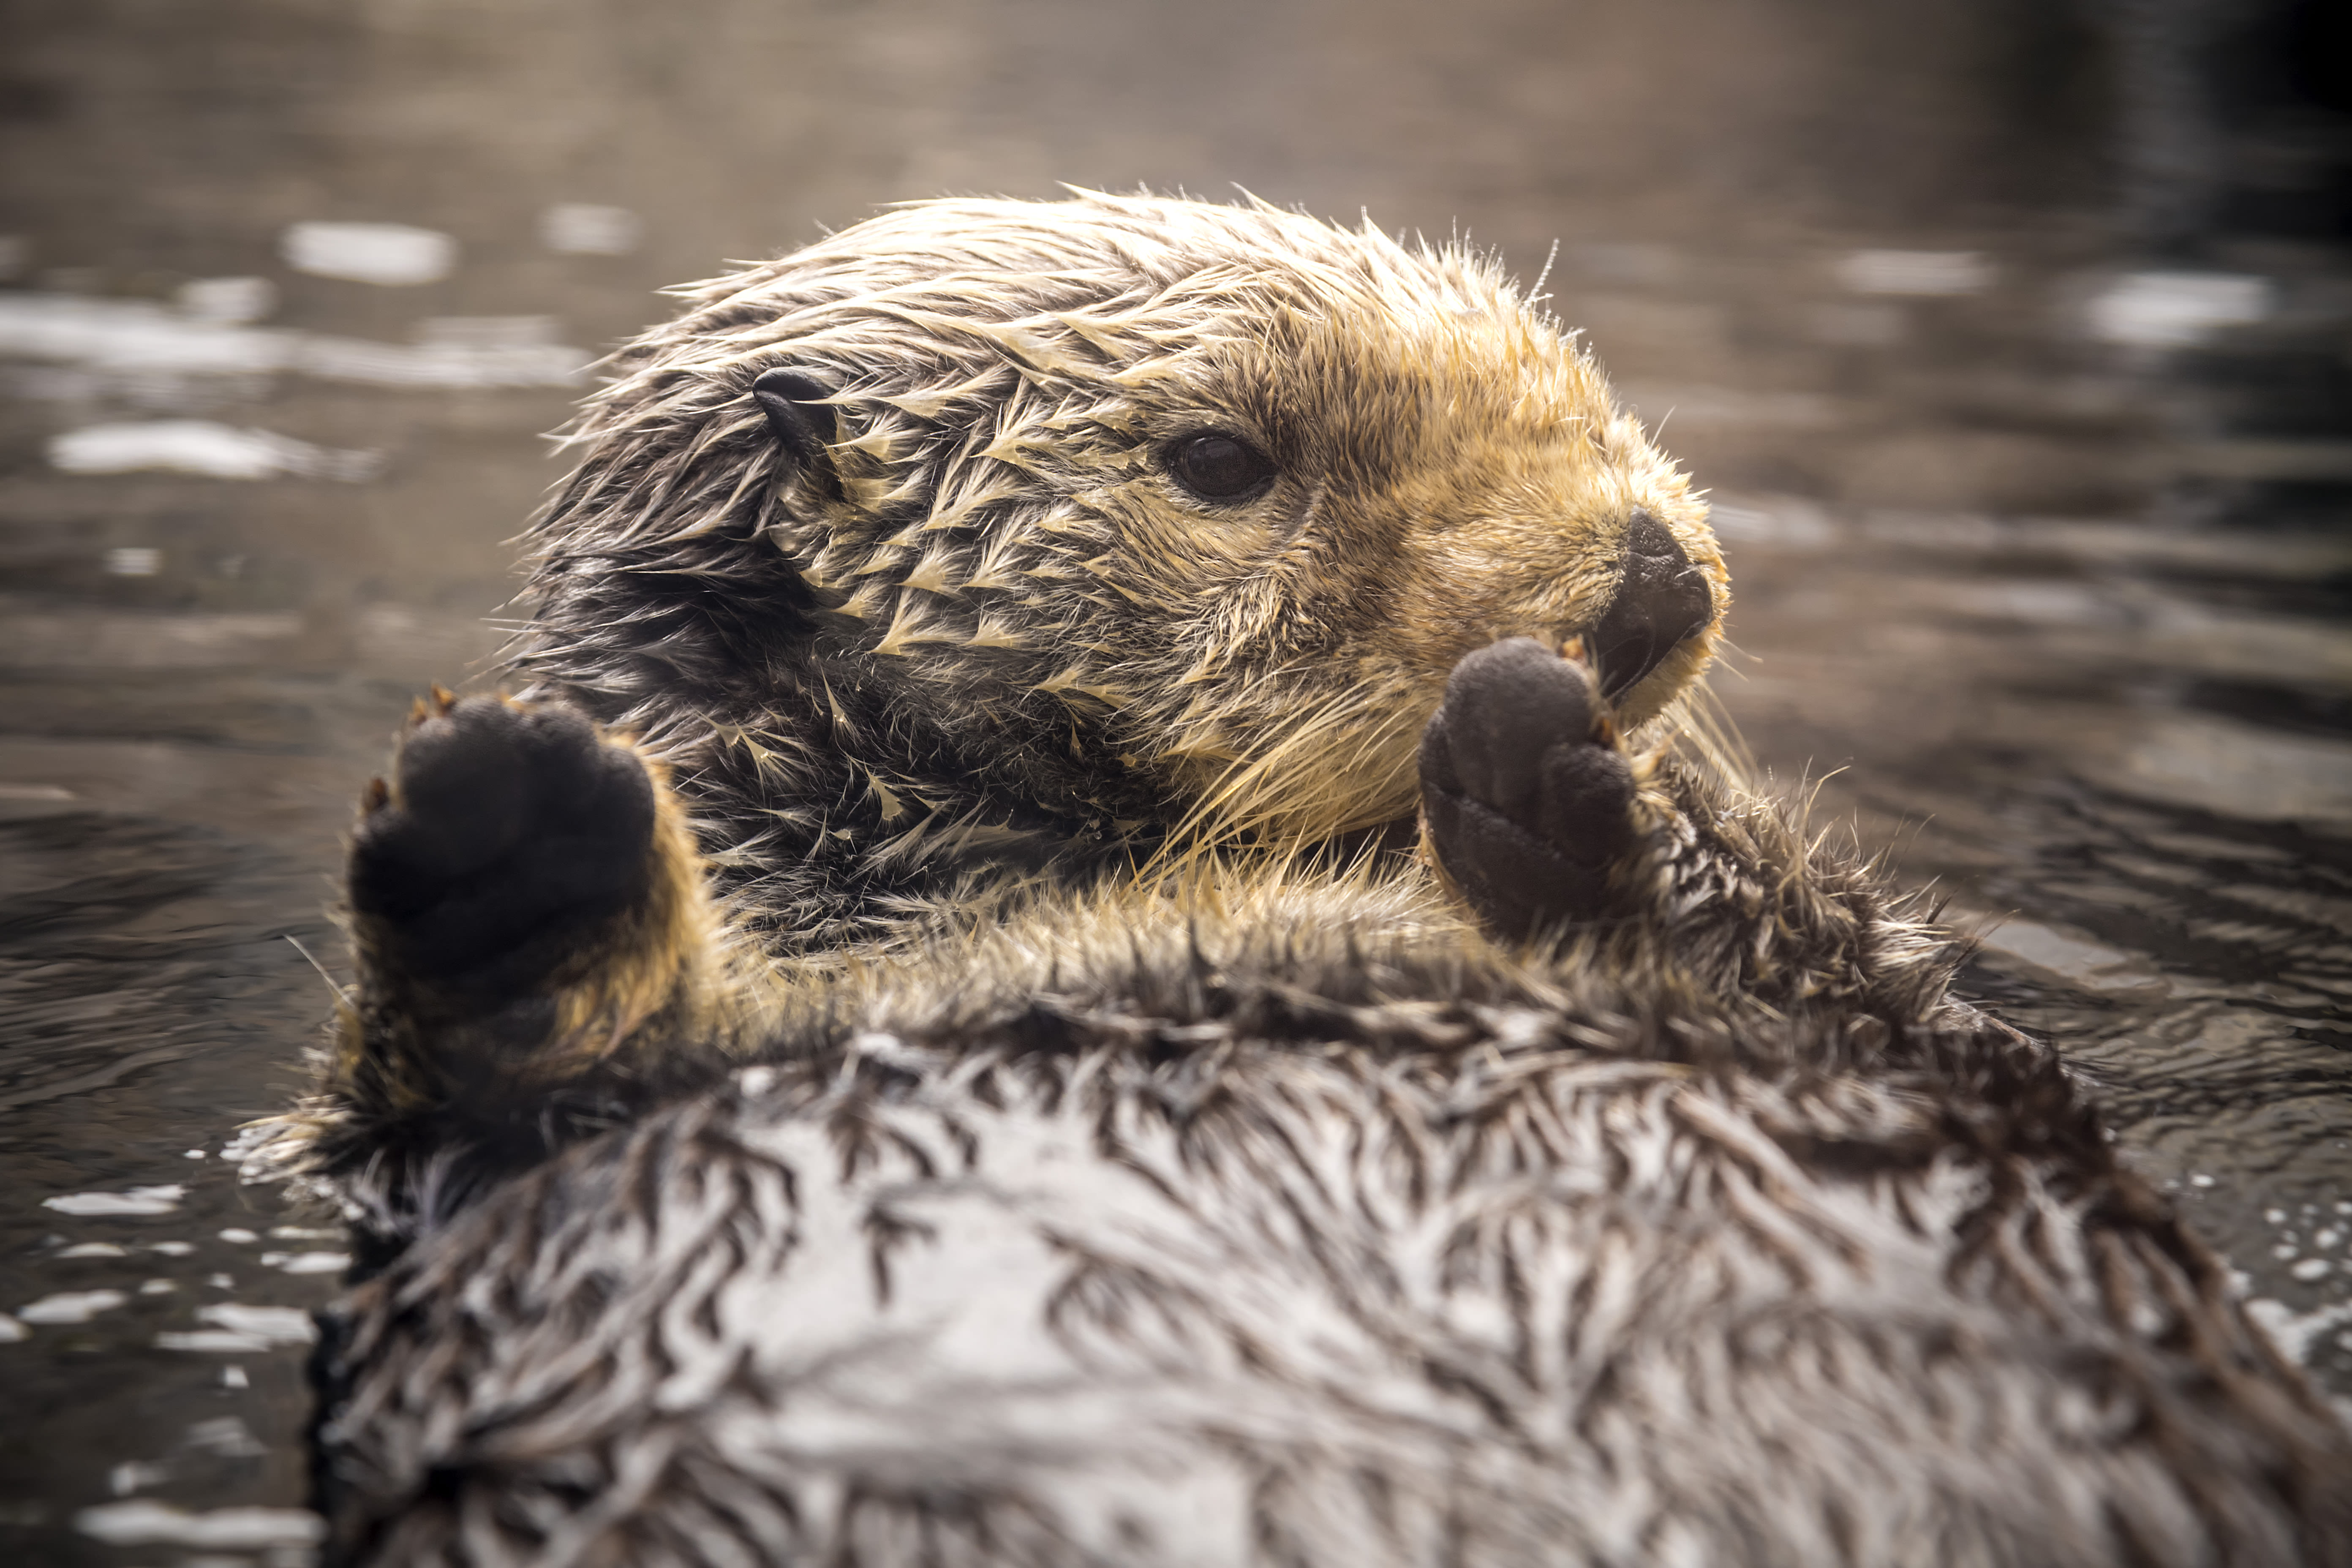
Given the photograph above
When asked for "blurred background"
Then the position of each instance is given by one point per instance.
(2013, 339)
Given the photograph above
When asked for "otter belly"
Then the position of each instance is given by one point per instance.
(1215, 1254)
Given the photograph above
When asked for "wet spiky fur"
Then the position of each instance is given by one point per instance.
(997, 639)
(1310, 1229)
(1050, 1120)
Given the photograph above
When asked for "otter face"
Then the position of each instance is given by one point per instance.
(1201, 503)
(1442, 470)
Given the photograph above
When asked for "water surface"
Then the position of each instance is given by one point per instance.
(2038, 544)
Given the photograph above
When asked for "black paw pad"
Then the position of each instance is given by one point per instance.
(1528, 796)
(516, 828)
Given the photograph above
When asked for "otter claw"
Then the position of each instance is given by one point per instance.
(514, 829)
(1526, 793)
(436, 703)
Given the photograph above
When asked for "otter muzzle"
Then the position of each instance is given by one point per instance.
(1661, 599)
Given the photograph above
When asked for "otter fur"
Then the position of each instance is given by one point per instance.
(1099, 934)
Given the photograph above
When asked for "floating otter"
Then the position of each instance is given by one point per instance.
(1097, 938)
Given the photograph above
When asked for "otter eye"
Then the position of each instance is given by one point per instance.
(1220, 467)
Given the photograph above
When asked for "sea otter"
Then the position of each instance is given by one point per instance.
(1095, 936)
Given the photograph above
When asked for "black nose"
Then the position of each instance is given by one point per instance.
(1662, 600)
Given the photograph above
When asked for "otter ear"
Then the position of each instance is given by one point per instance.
(795, 403)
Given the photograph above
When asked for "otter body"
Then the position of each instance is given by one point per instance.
(1089, 941)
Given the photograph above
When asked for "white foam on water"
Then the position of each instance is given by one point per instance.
(2176, 309)
(148, 1523)
(137, 1200)
(307, 1262)
(202, 447)
(279, 1325)
(135, 334)
(138, 337)
(390, 254)
(70, 1307)
(212, 1342)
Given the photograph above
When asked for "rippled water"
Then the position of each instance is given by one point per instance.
(2041, 555)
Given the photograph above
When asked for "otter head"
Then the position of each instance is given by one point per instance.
(1143, 508)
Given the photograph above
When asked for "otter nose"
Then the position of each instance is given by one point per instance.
(1661, 599)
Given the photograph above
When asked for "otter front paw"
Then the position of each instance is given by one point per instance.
(1527, 795)
(509, 833)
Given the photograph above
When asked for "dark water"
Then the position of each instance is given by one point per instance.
(2040, 541)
